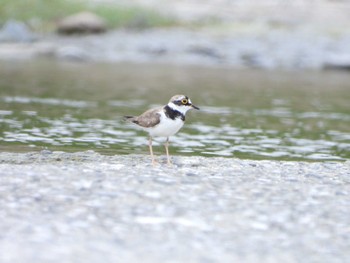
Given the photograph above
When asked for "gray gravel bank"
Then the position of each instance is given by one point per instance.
(275, 34)
(86, 207)
(276, 49)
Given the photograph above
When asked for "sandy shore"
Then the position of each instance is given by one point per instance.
(86, 207)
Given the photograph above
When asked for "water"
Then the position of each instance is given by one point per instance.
(244, 113)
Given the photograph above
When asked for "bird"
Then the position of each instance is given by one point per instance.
(164, 121)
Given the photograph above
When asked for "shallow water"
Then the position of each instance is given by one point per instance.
(244, 113)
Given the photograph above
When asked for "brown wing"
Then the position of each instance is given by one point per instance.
(149, 118)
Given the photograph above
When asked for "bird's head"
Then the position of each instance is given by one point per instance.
(181, 103)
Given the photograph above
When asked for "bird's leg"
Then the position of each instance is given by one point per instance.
(166, 144)
(151, 150)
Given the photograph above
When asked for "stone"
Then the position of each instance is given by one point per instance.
(16, 31)
(338, 62)
(24, 51)
(72, 53)
(82, 23)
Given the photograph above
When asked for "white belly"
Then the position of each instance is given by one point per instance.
(166, 127)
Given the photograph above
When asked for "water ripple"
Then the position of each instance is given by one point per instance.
(199, 138)
(49, 101)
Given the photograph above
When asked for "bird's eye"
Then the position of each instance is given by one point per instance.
(184, 101)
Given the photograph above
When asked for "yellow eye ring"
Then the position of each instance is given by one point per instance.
(184, 101)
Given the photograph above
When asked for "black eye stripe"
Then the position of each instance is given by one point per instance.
(182, 101)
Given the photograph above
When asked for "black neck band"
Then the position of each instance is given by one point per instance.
(173, 114)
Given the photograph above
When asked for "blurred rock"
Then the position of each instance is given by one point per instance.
(23, 51)
(205, 51)
(72, 53)
(16, 31)
(155, 51)
(339, 62)
(82, 23)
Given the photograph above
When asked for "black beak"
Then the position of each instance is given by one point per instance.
(195, 107)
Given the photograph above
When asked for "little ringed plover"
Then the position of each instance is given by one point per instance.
(164, 121)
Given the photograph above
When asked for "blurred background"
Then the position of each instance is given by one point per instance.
(271, 77)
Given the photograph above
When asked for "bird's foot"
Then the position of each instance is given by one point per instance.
(154, 162)
(169, 162)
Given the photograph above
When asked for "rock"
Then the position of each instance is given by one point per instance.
(23, 51)
(205, 51)
(339, 62)
(72, 53)
(82, 23)
(16, 31)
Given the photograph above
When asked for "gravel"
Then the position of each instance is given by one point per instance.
(268, 49)
(87, 207)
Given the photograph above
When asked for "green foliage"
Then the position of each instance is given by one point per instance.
(41, 15)
(44, 10)
(132, 17)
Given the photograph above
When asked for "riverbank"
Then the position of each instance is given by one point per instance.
(83, 206)
(248, 46)
(277, 35)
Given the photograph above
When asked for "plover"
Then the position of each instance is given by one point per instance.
(164, 121)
